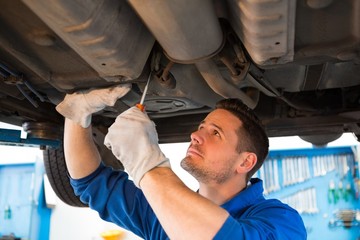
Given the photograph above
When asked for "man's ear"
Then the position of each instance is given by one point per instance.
(249, 160)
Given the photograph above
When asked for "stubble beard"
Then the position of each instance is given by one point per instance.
(203, 175)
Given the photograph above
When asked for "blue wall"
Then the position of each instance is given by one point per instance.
(21, 189)
(15, 193)
(320, 168)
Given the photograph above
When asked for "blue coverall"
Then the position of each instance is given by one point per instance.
(118, 200)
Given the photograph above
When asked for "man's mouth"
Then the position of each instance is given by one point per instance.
(192, 151)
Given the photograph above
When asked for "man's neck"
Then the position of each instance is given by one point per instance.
(221, 193)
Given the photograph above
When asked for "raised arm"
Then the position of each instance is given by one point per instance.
(81, 154)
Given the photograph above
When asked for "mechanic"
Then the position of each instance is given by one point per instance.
(229, 146)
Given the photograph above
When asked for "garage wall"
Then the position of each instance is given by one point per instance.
(331, 185)
(15, 204)
(22, 204)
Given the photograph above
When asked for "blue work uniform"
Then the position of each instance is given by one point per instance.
(118, 200)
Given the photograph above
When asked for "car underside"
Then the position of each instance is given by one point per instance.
(296, 63)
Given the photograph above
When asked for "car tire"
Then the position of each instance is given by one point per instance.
(57, 173)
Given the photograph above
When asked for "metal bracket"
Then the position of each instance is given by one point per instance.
(11, 137)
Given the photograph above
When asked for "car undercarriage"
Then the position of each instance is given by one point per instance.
(296, 63)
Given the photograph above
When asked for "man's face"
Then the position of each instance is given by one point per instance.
(212, 155)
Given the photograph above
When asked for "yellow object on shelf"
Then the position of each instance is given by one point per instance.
(112, 235)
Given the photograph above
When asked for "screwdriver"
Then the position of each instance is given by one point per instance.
(141, 105)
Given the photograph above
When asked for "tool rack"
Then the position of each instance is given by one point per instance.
(321, 184)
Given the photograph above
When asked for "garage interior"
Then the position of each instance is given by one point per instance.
(322, 184)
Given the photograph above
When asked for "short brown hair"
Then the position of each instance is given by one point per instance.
(251, 135)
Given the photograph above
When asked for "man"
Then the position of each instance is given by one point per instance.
(225, 151)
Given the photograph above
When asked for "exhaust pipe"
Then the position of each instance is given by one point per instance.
(187, 30)
(221, 86)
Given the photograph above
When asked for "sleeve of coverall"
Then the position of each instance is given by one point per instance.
(116, 199)
(271, 226)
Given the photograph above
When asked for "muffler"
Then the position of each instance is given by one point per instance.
(187, 30)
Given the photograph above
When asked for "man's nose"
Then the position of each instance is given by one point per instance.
(196, 137)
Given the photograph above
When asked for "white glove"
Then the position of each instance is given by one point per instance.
(134, 141)
(80, 105)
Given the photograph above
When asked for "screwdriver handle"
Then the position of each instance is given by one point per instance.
(140, 106)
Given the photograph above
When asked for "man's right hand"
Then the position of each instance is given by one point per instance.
(133, 140)
(80, 105)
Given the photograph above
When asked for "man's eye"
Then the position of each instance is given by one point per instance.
(216, 133)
